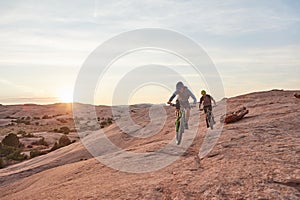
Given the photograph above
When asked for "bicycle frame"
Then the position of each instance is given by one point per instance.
(179, 124)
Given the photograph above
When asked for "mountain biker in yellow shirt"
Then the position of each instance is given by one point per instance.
(207, 99)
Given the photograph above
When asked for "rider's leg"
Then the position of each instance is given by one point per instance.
(205, 111)
(212, 115)
(187, 117)
(186, 106)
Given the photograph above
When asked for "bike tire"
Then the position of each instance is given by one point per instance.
(180, 130)
(210, 121)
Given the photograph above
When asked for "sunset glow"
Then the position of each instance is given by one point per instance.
(66, 95)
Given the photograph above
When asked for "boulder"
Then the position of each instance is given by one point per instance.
(234, 116)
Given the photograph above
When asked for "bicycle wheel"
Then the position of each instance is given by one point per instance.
(210, 120)
(181, 128)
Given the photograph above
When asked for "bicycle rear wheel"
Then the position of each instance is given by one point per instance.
(210, 120)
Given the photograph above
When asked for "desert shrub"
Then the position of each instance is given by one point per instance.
(64, 130)
(62, 120)
(37, 123)
(21, 132)
(10, 124)
(16, 155)
(18, 121)
(106, 122)
(63, 141)
(36, 118)
(6, 150)
(1, 163)
(9, 117)
(25, 134)
(21, 145)
(35, 153)
(28, 118)
(46, 117)
(40, 142)
(103, 123)
(55, 146)
(22, 120)
(11, 140)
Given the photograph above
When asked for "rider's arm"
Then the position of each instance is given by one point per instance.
(172, 97)
(213, 100)
(201, 100)
(193, 96)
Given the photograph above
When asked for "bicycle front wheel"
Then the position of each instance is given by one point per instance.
(180, 130)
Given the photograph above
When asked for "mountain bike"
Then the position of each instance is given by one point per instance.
(179, 123)
(209, 119)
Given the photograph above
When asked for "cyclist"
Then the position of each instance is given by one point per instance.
(207, 99)
(183, 96)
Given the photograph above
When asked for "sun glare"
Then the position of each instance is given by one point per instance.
(66, 95)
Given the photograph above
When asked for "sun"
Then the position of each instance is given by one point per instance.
(66, 95)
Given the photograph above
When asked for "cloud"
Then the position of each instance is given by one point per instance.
(214, 17)
(20, 100)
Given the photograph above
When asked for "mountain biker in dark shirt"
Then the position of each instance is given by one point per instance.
(183, 96)
(207, 99)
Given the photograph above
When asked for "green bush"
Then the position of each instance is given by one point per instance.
(64, 130)
(6, 150)
(11, 140)
(16, 155)
(62, 142)
(35, 153)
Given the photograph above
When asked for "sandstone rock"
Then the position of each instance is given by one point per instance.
(234, 116)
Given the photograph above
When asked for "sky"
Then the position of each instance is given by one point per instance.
(254, 46)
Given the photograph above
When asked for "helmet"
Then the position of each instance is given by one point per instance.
(203, 92)
(179, 85)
